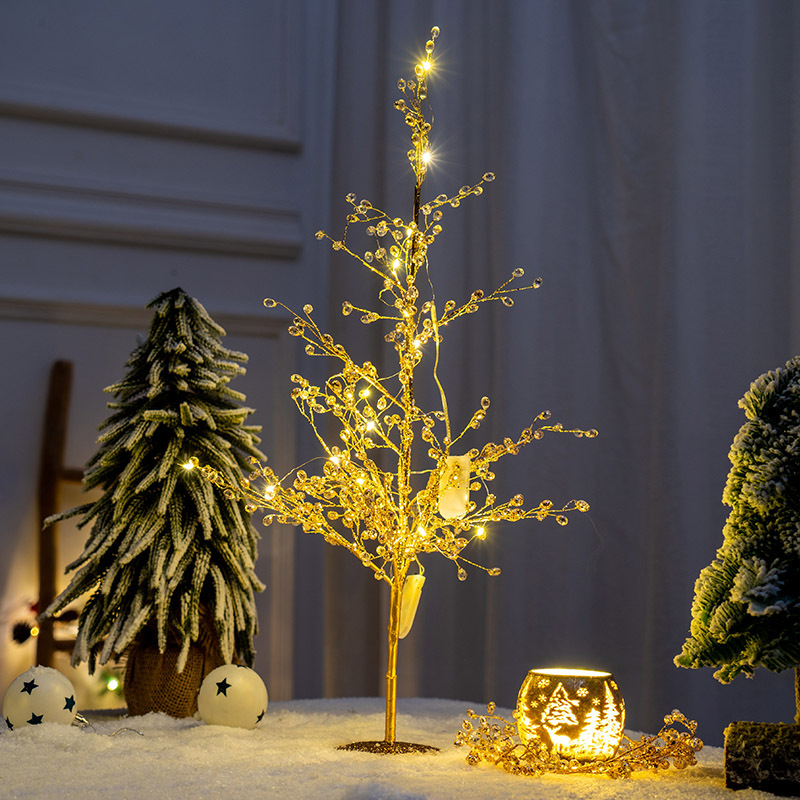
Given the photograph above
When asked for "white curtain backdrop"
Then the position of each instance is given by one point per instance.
(647, 168)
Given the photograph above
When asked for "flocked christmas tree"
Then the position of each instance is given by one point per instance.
(164, 559)
(392, 488)
(746, 609)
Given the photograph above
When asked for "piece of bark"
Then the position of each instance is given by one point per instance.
(763, 755)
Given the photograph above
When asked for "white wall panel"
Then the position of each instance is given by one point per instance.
(214, 71)
(163, 124)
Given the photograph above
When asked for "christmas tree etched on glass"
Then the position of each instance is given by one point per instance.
(599, 726)
(395, 487)
(559, 713)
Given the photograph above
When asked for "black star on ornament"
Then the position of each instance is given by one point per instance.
(29, 686)
(69, 703)
(36, 719)
(261, 716)
(222, 687)
(10, 726)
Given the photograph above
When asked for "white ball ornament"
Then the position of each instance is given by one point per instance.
(232, 695)
(40, 694)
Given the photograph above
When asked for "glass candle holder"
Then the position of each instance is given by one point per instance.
(576, 713)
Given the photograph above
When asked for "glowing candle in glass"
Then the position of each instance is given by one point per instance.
(576, 713)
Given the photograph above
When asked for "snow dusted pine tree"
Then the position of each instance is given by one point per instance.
(746, 609)
(165, 559)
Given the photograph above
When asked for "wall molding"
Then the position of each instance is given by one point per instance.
(101, 214)
(44, 104)
(107, 315)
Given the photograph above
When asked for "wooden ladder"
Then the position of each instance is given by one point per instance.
(52, 473)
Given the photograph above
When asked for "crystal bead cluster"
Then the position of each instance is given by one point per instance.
(354, 502)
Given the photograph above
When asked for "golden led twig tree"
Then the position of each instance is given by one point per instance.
(390, 488)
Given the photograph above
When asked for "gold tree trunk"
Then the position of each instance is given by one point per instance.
(395, 602)
(389, 744)
(797, 695)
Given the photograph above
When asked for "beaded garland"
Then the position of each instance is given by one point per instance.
(494, 740)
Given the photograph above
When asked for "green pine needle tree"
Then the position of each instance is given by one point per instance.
(162, 547)
(746, 610)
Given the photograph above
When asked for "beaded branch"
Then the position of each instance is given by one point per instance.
(494, 740)
(356, 501)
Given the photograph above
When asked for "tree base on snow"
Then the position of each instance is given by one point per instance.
(152, 680)
(763, 755)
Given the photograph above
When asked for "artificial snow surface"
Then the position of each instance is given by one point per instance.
(293, 754)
